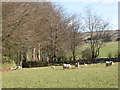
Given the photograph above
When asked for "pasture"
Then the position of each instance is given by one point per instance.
(110, 47)
(91, 76)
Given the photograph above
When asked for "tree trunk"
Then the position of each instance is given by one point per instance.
(74, 57)
(39, 55)
(33, 53)
(27, 57)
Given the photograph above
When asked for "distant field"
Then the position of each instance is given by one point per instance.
(111, 47)
(92, 76)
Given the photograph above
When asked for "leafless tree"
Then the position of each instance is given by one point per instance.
(75, 39)
(42, 29)
(96, 26)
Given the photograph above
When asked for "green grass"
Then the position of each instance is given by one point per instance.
(111, 47)
(92, 76)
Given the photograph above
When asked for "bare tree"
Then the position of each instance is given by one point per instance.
(75, 39)
(38, 30)
(96, 26)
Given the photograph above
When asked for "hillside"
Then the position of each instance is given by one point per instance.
(112, 33)
(111, 47)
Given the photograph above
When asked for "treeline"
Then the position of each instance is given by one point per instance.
(45, 32)
(43, 29)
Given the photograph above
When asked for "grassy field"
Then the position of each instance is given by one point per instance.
(111, 47)
(92, 76)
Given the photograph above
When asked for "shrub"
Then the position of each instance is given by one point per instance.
(61, 58)
(86, 54)
(6, 59)
(70, 58)
(30, 64)
(8, 65)
(24, 63)
(118, 39)
(7, 62)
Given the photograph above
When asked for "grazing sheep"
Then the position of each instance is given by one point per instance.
(85, 64)
(77, 65)
(108, 63)
(19, 67)
(13, 68)
(66, 66)
(53, 67)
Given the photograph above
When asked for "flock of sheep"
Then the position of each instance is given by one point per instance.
(66, 66)
(77, 65)
(15, 68)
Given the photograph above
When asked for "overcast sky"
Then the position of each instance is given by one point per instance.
(106, 9)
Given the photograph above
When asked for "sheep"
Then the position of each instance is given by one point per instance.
(53, 67)
(77, 65)
(85, 64)
(108, 63)
(13, 68)
(66, 66)
(19, 67)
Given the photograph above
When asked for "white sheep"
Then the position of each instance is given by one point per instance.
(85, 64)
(108, 63)
(77, 65)
(13, 68)
(19, 67)
(53, 67)
(66, 66)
